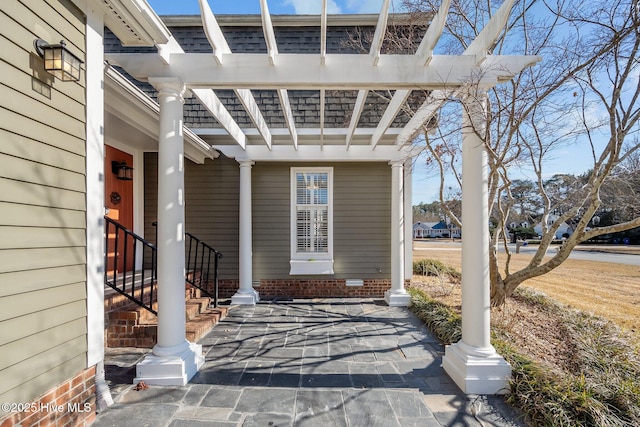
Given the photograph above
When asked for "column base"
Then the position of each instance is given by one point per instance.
(245, 298)
(397, 299)
(476, 374)
(170, 370)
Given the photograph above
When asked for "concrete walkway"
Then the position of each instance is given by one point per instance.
(330, 362)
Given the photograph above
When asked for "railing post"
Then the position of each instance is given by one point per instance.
(106, 250)
(215, 280)
(115, 257)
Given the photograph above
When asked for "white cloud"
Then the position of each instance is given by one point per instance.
(310, 7)
(368, 6)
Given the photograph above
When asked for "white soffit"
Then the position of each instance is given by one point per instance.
(134, 22)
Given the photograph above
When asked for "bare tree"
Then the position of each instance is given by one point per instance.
(585, 95)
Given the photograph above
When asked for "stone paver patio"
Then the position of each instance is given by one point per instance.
(330, 362)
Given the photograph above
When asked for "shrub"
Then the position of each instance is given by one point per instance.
(432, 267)
(443, 322)
(602, 390)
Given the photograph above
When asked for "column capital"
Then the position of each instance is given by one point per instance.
(474, 93)
(246, 163)
(474, 111)
(168, 86)
(396, 163)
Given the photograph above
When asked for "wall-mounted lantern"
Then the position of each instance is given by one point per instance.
(58, 60)
(122, 171)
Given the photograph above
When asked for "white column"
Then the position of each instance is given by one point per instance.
(94, 81)
(246, 295)
(473, 363)
(95, 186)
(397, 295)
(174, 359)
(408, 215)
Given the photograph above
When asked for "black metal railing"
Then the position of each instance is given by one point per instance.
(199, 257)
(122, 248)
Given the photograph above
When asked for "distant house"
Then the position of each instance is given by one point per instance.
(423, 230)
(523, 224)
(564, 229)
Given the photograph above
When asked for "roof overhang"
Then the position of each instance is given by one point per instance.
(134, 22)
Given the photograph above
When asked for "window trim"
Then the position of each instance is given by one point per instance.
(311, 262)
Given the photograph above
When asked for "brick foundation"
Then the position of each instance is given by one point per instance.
(313, 288)
(72, 403)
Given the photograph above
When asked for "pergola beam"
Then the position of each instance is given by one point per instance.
(374, 51)
(323, 33)
(479, 48)
(395, 105)
(322, 107)
(220, 46)
(358, 108)
(272, 53)
(431, 37)
(242, 72)
(288, 115)
(213, 32)
(207, 97)
(344, 71)
(310, 153)
(490, 33)
(269, 33)
(381, 29)
(427, 110)
(210, 101)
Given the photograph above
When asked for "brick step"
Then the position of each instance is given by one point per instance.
(133, 326)
(145, 335)
(195, 306)
(198, 327)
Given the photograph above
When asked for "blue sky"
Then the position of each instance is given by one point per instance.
(189, 7)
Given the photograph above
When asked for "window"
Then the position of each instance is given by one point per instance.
(311, 221)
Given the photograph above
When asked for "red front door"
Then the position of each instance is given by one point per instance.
(118, 194)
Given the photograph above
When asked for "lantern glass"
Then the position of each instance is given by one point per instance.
(60, 62)
(122, 171)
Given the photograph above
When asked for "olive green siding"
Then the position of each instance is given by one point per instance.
(150, 198)
(211, 205)
(42, 203)
(361, 220)
(362, 215)
(212, 201)
(362, 212)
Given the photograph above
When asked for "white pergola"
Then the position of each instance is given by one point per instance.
(473, 362)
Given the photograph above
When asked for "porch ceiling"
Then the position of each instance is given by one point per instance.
(328, 76)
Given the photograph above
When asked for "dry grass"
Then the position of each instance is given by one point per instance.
(568, 368)
(605, 289)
